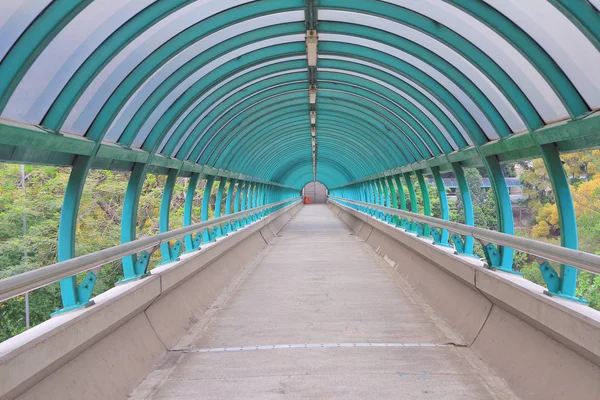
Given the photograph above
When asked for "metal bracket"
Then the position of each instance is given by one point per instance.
(459, 244)
(84, 292)
(141, 267)
(85, 288)
(553, 282)
(418, 229)
(388, 218)
(174, 252)
(550, 277)
(494, 259)
(206, 236)
(436, 234)
(492, 255)
(405, 223)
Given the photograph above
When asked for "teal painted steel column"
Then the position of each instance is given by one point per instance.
(168, 253)
(229, 198)
(67, 232)
(364, 192)
(372, 193)
(386, 192)
(245, 201)
(393, 196)
(374, 199)
(134, 267)
(188, 207)
(400, 192)
(253, 194)
(210, 180)
(414, 206)
(394, 200)
(238, 197)
(381, 192)
(565, 284)
(245, 196)
(426, 201)
(261, 194)
(218, 201)
(441, 238)
(500, 258)
(465, 247)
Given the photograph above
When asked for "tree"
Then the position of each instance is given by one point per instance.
(98, 227)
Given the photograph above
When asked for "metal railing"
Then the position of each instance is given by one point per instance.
(543, 251)
(31, 280)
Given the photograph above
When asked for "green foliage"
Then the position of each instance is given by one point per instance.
(98, 227)
(588, 287)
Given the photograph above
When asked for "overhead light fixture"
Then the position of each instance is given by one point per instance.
(313, 131)
(312, 40)
(312, 94)
(313, 118)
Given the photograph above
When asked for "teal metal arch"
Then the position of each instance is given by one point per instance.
(382, 122)
(394, 107)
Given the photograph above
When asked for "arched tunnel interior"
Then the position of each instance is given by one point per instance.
(346, 102)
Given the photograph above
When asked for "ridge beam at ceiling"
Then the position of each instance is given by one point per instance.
(312, 43)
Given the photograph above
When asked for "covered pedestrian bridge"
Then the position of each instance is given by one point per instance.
(369, 296)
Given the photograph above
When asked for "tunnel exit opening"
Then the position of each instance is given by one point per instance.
(316, 191)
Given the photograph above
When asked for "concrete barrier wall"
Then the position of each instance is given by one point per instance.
(544, 347)
(104, 351)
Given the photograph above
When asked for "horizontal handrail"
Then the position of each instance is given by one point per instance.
(545, 251)
(31, 280)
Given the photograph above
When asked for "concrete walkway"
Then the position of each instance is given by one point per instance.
(320, 316)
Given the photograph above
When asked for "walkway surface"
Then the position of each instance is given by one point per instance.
(319, 315)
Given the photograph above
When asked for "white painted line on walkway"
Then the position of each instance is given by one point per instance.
(312, 346)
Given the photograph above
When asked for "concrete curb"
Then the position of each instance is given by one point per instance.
(544, 347)
(131, 326)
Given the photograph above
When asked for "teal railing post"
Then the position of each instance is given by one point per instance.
(386, 190)
(394, 199)
(191, 243)
(229, 200)
(230, 226)
(426, 202)
(501, 257)
(245, 201)
(71, 295)
(134, 267)
(379, 197)
(403, 223)
(252, 200)
(388, 199)
(464, 247)
(563, 284)
(441, 238)
(210, 180)
(414, 206)
(380, 191)
(238, 196)
(371, 192)
(402, 204)
(245, 196)
(219, 199)
(375, 198)
(168, 253)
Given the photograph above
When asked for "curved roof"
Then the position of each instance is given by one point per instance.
(225, 83)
